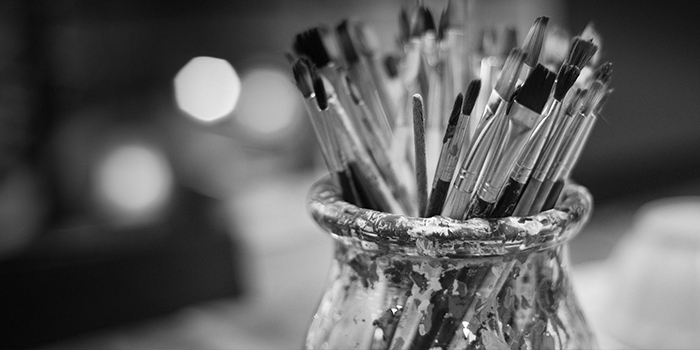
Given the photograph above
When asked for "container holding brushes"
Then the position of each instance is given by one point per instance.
(450, 224)
(400, 282)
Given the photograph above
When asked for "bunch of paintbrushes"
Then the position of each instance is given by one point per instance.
(503, 148)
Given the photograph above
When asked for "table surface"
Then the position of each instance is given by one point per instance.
(289, 261)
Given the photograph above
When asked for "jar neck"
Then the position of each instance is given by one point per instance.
(439, 237)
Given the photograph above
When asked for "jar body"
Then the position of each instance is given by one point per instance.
(386, 300)
(399, 282)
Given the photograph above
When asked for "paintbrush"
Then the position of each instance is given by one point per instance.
(315, 44)
(359, 72)
(378, 148)
(368, 47)
(363, 167)
(532, 46)
(575, 138)
(450, 153)
(303, 72)
(442, 177)
(459, 195)
(522, 117)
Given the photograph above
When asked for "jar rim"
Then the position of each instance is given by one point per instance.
(439, 236)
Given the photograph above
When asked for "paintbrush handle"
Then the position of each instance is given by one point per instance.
(528, 197)
(437, 198)
(479, 208)
(553, 195)
(538, 203)
(510, 195)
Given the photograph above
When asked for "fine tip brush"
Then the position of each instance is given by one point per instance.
(455, 140)
(307, 81)
(362, 165)
(576, 136)
(316, 44)
(443, 175)
(523, 115)
(471, 161)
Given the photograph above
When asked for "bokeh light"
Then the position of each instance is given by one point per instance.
(207, 88)
(269, 102)
(134, 180)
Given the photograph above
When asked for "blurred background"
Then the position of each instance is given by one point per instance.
(155, 159)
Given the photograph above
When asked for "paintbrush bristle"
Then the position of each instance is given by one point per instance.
(573, 101)
(428, 21)
(417, 23)
(319, 89)
(591, 34)
(534, 40)
(603, 73)
(404, 26)
(596, 91)
(535, 91)
(367, 41)
(454, 117)
(581, 52)
(347, 46)
(444, 23)
(566, 77)
(505, 85)
(309, 43)
(470, 98)
(302, 77)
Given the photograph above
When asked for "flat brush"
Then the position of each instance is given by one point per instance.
(523, 116)
(532, 46)
(503, 90)
(472, 161)
(510, 194)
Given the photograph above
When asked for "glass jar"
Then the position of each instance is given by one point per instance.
(400, 282)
